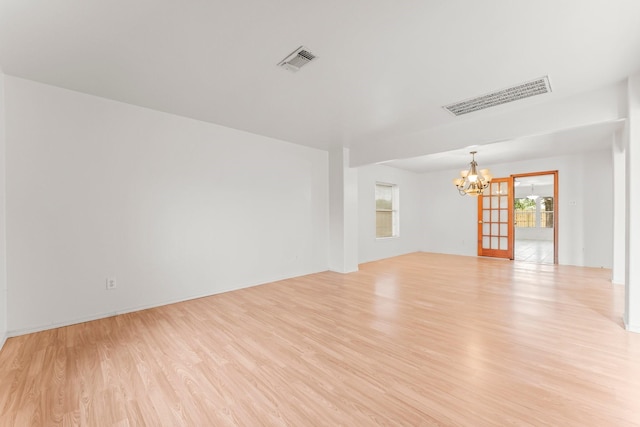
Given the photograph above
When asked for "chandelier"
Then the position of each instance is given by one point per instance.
(470, 182)
(532, 196)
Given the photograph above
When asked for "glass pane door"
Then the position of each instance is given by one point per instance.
(494, 219)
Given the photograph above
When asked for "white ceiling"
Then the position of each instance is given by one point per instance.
(383, 72)
(585, 138)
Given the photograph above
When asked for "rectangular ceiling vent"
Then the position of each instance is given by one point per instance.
(514, 93)
(298, 59)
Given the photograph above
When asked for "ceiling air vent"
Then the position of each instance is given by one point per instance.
(521, 91)
(298, 58)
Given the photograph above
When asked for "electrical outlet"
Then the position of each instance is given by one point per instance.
(111, 283)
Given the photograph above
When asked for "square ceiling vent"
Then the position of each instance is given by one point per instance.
(297, 59)
(523, 90)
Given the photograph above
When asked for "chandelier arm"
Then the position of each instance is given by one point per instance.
(478, 182)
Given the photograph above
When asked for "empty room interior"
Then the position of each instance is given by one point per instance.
(319, 213)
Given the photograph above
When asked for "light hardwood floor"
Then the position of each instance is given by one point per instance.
(421, 339)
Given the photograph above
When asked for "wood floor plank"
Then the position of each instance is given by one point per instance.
(421, 339)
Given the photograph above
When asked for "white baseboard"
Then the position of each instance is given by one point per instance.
(344, 271)
(631, 327)
(54, 325)
(617, 280)
(3, 340)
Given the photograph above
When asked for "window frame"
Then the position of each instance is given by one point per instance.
(537, 213)
(395, 210)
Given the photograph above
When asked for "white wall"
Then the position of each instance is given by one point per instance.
(585, 209)
(631, 140)
(534, 233)
(597, 196)
(343, 212)
(450, 222)
(619, 210)
(411, 198)
(3, 265)
(172, 207)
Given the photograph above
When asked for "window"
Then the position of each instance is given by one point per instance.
(386, 210)
(534, 213)
(525, 213)
(546, 212)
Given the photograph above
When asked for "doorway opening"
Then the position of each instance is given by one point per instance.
(535, 217)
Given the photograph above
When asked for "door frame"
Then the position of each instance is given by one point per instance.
(555, 208)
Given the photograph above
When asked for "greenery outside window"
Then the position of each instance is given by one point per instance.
(532, 213)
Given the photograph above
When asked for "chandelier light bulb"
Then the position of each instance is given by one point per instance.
(470, 182)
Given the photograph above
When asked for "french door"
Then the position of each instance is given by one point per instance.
(495, 219)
